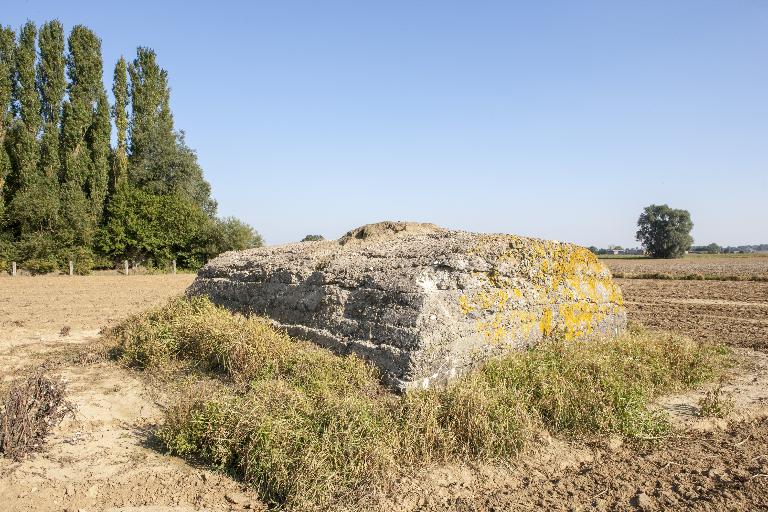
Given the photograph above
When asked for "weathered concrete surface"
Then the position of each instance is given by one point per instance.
(423, 303)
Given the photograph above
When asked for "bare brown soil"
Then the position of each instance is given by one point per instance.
(732, 312)
(104, 458)
(710, 471)
(752, 266)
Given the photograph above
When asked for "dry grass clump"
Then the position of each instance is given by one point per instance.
(193, 334)
(576, 388)
(716, 403)
(295, 421)
(295, 447)
(33, 407)
(305, 427)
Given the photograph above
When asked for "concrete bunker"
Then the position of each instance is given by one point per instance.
(423, 303)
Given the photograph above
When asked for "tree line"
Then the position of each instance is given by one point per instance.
(66, 193)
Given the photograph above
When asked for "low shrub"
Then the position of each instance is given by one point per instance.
(304, 426)
(40, 266)
(83, 266)
(83, 260)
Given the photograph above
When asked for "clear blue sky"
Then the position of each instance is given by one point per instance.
(543, 118)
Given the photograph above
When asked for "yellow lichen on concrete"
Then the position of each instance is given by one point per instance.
(568, 292)
(545, 324)
(464, 305)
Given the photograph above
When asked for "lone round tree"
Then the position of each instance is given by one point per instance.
(665, 232)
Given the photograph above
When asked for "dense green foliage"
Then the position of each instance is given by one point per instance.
(665, 232)
(313, 238)
(66, 193)
(157, 227)
(232, 234)
(303, 426)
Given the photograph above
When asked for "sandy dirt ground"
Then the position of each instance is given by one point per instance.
(104, 458)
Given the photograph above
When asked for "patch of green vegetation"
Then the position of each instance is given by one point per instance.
(41, 266)
(305, 427)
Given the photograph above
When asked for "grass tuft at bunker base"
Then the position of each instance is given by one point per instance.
(306, 428)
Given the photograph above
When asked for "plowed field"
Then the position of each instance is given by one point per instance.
(721, 267)
(732, 312)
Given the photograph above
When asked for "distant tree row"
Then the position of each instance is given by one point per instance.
(717, 249)
(65, 192)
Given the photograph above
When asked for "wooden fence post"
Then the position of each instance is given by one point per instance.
(174, 266)
(71, 268)
(126, 266)
(13, 269)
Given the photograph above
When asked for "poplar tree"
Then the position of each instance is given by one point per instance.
(99, 145)
(119, 169)
(160, 162)
(24, 151)
(32, 209)
(7, 66)
(36, 204)
(151, 126)
(84, 139)
(51, 84)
